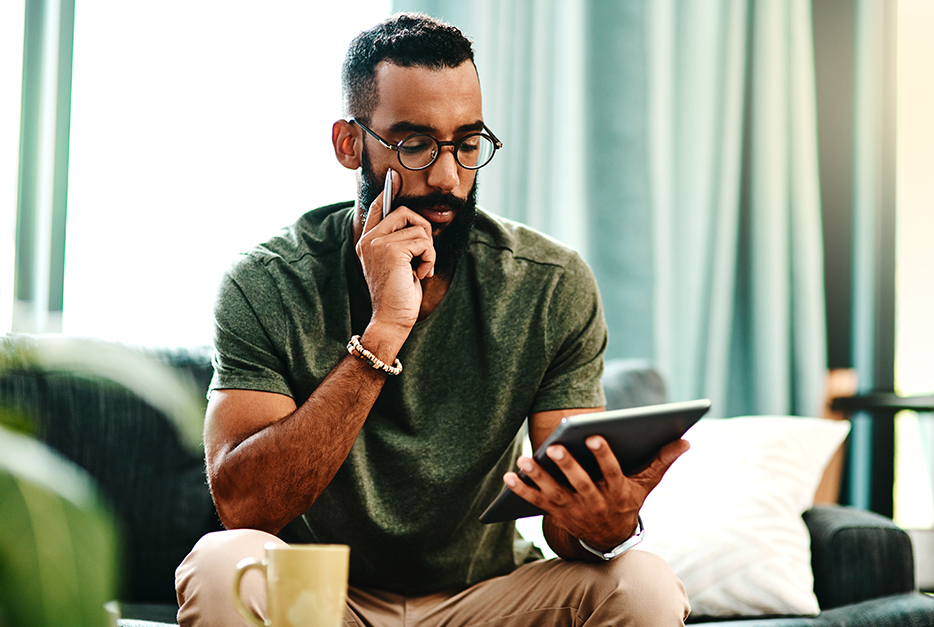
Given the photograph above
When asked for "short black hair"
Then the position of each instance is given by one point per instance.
(405, 39)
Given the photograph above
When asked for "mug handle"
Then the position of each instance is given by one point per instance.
(247, 613)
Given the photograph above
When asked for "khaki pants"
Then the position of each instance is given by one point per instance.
(637, 588)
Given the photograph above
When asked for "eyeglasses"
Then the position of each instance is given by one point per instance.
(419, 151)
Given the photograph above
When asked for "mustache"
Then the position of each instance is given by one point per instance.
(431, 201)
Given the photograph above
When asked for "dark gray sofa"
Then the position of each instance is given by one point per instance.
(863, 565)
(154, 481)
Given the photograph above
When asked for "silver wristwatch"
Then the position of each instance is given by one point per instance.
(633, 540)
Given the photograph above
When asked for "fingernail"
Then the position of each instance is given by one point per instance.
(524, 464)
(593, 444)
(510, 480)
(555, 452)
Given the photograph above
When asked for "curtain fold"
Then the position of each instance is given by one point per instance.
(674, 144)
(698, 90)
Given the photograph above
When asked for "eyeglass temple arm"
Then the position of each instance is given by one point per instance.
(382, 141)
(495, 139)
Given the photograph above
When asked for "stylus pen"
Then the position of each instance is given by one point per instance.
(387, 194)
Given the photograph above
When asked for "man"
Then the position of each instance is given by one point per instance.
(372, 376)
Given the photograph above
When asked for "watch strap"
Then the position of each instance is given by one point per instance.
(613, 553)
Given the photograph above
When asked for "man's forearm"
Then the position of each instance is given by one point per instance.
(274, 475)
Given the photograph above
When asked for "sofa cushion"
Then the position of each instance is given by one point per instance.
(727, 516)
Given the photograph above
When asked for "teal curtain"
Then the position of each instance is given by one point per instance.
(737, 204)
(674, 144)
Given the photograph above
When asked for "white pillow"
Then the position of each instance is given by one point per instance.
(727, 515)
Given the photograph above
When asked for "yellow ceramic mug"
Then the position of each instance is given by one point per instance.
(306, 584)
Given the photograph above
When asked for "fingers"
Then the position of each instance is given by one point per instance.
(426, 267)
(375, 214)
(403, 233)
(581, 482)
(653, 473)
(606, 459)
(406, 218)
(601, 508)
(549, 493)
(602, 513)
(612, 480)
(406, 235)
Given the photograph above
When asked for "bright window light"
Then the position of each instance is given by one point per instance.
(198, 129)
(914, 355)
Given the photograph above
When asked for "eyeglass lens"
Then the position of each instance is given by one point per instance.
(420, 151)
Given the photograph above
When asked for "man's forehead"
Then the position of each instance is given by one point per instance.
(427, 97)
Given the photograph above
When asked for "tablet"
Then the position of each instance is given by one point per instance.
(635, 435)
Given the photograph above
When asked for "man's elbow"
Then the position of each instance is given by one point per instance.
(240, 508)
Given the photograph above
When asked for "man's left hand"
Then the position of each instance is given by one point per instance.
(604, 513)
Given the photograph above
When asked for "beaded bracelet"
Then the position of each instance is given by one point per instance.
(355, 348)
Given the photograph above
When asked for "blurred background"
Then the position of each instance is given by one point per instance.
(750, 181)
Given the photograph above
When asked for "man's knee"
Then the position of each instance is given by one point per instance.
(204, 579)
(639, 588)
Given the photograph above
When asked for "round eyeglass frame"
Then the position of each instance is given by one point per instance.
(488, 134)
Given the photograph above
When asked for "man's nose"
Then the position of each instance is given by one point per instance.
(444, 173)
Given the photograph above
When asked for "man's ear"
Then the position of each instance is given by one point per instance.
(346, 140)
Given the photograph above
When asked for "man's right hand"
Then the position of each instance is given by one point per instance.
(254, 439)
(396, 254)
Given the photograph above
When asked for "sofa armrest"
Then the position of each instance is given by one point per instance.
(857, 555)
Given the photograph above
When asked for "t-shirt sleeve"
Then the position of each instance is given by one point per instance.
(245, 353)
(576, 338)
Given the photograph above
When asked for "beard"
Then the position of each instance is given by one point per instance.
(452, 241)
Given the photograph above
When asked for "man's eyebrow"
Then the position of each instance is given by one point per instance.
(412, 127)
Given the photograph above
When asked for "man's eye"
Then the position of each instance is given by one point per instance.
(416, 145)
(471, 143)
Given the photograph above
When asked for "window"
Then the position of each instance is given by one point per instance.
(198, 129)
(914, 359)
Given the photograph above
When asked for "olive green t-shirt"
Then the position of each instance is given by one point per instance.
(520, 330)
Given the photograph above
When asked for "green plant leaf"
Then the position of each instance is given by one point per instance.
(58, 555)
(17, 422)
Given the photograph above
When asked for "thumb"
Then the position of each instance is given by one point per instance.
(651, 476)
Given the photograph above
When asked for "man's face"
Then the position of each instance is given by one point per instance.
(443, 103)
(451, 239)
